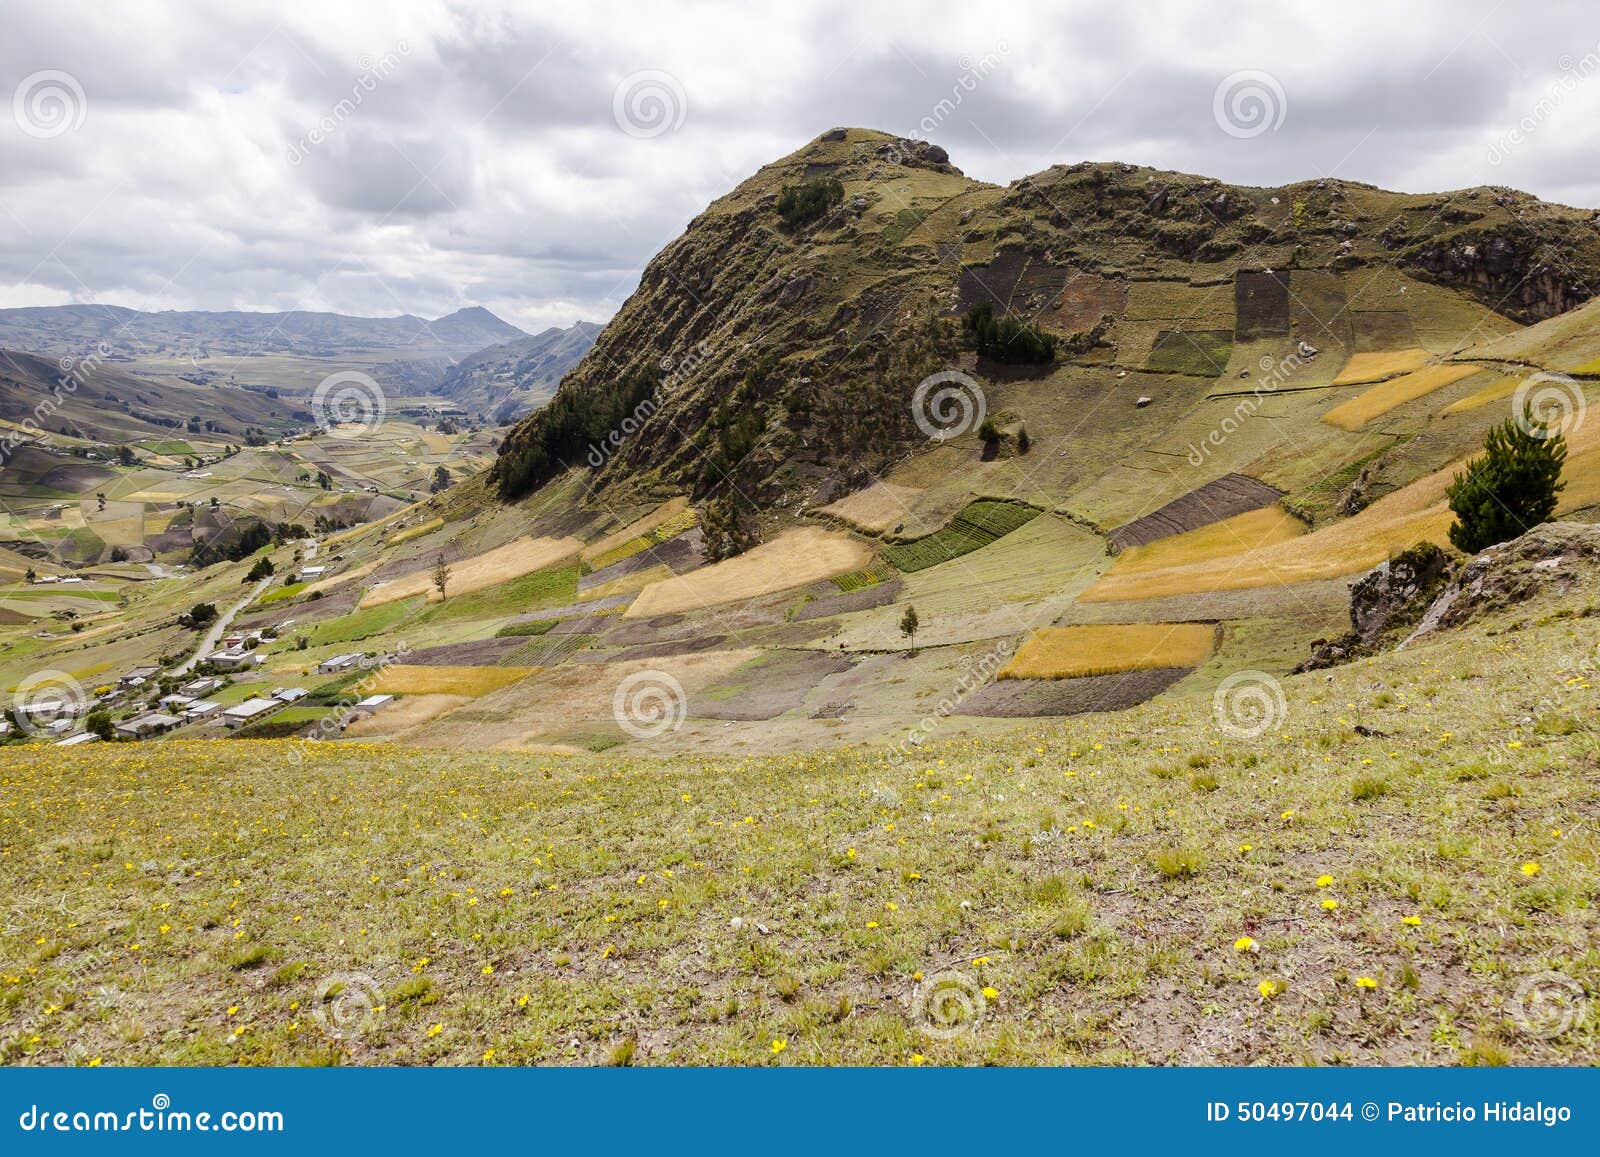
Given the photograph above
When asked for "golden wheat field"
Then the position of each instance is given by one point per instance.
(1382, 398)
(806, 554)
(1068, 652)
(1379, 364)
(1496, 391)
(1230, 536)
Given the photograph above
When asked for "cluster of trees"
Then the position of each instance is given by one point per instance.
(803, 203)
(579, 420)
(1005, 338)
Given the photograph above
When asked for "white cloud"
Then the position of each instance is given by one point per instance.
(467, 153)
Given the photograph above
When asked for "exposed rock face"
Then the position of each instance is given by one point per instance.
(1391, 596)
(1508, 269)
(1422, 591)
(1557, 554)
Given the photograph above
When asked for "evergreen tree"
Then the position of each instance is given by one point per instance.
(1510, 489)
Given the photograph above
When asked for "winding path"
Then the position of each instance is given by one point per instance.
(219, 627)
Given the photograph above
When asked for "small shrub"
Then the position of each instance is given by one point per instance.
(803, 203)
(1368, 787)
(1181, 863)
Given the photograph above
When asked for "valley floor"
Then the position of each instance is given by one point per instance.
(1143, 887)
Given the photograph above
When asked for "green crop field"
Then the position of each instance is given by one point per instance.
(981, 523)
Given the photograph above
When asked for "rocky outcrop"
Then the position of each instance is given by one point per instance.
(1551, 558)
(1389, 598)
(1507, 270)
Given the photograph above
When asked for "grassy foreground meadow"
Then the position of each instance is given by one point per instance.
(1146, 887)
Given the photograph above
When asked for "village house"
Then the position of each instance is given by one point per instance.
(250, 711)
(154, 723)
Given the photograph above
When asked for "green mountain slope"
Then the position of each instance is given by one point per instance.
(815, 334)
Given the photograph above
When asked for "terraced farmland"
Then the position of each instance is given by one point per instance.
(975, 527)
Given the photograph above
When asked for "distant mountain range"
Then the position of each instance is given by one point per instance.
(129, 334)
(510, 380)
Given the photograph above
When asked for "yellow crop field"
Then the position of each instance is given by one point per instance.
(417, 531)
(1106, 649)
(1392, 524)
(878, 508)
(806, 554)
(1379, 400)
(662, 514)
(410, 679)
(1380, 364)
(1494, 392)
(1247, 531)
(513, 560)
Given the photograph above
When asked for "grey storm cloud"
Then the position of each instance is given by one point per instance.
(424, 155)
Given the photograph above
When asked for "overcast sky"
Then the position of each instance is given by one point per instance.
(418, 157)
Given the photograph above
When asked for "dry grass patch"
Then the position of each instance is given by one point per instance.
(875, 510)
(408, 679)
(339, 580)
(1231, 536)
(806, 554)
(1071, 652)
(629, 583)
(1379, 364)
(491, 568)
(408, 712)
(1379, 400)
(417, 531)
